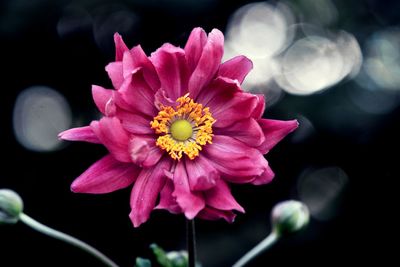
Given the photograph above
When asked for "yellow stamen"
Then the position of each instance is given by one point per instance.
(183, 129)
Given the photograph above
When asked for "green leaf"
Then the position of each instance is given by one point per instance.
(161, 256)
(178, 258)
(141, 262)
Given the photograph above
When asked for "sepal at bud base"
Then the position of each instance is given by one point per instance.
(11, 206)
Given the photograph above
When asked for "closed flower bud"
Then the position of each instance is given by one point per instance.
(11, 206)
(289, 216)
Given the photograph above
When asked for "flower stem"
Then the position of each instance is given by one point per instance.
(191, 242)
(254, 252)
(66, 238)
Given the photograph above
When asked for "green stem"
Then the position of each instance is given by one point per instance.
(66, 238)
(191, 242)
(254, 252)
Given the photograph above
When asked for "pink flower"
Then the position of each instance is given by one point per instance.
(180, 129)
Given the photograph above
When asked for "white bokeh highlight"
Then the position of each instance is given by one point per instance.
(321, 190)
(40, 113)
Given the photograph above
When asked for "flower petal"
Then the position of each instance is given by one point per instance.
(214, 214)
(139, 59)
(138, 95)
(227, 102)
(275, 131)
(134, 123)
(103, 99)
(264, 178)
(145, 191)
(167, 201)
(113, 136)
(190, 202)
(104, 176)
(171, 66)
(238, 162)
(114, 70)
(120, 47)
(202, 175)
(220, 198)
(162, 100)
(247, 131)
(144, 152)
(236, 68)
(208, 63)
(84, 134)
(194, 47)
(260, 107)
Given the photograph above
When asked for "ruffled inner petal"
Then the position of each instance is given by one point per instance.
(113, 136)
(236, 68)
(208, 62)
(172, 69)
(237, 162)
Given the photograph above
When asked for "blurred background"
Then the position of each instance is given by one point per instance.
(332, 64)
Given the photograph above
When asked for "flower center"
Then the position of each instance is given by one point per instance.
(183, 129)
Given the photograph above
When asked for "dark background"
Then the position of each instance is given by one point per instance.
(66, 44)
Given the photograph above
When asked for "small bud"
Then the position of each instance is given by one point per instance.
(289, 216)
(11, 206)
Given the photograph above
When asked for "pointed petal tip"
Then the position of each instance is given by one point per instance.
(76, 187)
(136, 221)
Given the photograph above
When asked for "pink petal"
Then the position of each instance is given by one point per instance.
(238, 162)
(172, 69)
(214, 214)
(145, 191)
(208, 63)
(128, 66)
(104, 176)
(135, 123)
(167, 201)
(139, 59)
(260, 107)
(120, 47)
(236, 68)
(275, 131)
(162, 100)
(247, 131)
(104, 100)
(84, 134)
(190, 202)
(113, 136)
(227, 102)
(220, 198)
(219, 86)
(194, 47)
(264, 178)
(138, 95)
(144, 152)
(114, 70)
(202, 175)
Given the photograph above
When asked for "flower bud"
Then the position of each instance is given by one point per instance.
(11, 206)
(289, 216)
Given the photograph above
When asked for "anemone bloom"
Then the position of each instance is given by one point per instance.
(180, 129)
